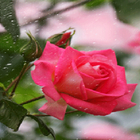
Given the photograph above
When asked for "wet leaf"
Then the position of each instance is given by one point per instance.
(11, 114)
(8, 18)
(7, 45)
(43, 128)
(10, 67)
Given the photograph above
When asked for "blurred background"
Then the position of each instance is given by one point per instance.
(99, 24)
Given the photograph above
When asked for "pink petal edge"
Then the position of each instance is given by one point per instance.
(42, 72)
(51, 53)
(56, 109)
(109, 53)
(124, 102)
(100, 108)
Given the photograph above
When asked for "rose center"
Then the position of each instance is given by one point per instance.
(100, 70)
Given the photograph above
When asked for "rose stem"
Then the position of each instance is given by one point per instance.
(32, 100)
(41, 115)
(12, 83)
(19, 77)
(40, 97)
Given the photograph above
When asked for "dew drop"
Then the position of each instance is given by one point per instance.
(86, 109)
(4, 68)
(129, 91)
(9, 64)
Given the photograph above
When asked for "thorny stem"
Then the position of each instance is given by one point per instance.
(18, 79)
(41, 115)
(13, 82)
(32, 100)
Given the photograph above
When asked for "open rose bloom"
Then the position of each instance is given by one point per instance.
(91, 82)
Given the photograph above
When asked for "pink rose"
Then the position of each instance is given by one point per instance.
(91, 82)
(106, 131)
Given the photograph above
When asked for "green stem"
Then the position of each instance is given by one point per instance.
(32, 100)
(41, 115)
(13, 82)
(69, 112)
(18, 79)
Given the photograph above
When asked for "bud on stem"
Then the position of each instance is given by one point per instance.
(62, 39)
(31, 50)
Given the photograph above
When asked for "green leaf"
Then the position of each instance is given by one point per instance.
(43, 128)
(7, 45)
(10, 67)
(11, 114)
(127, 10)
(8, 18)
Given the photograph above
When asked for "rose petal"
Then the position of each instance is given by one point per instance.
(42, 73)
(71, 83)
(124, 102)
(51, 53)
(89, 70)
(65, 62)
(50, 91)
(55, 109)
(95, 108)
(91, 82)
(121, 74)
(82, 60)
(110, 54)
(99, 66)
(118, 90)
(108, 84)
(96, 59)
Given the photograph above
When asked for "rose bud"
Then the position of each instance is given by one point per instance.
(90, 82)
(62, 40)
(31, 50)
